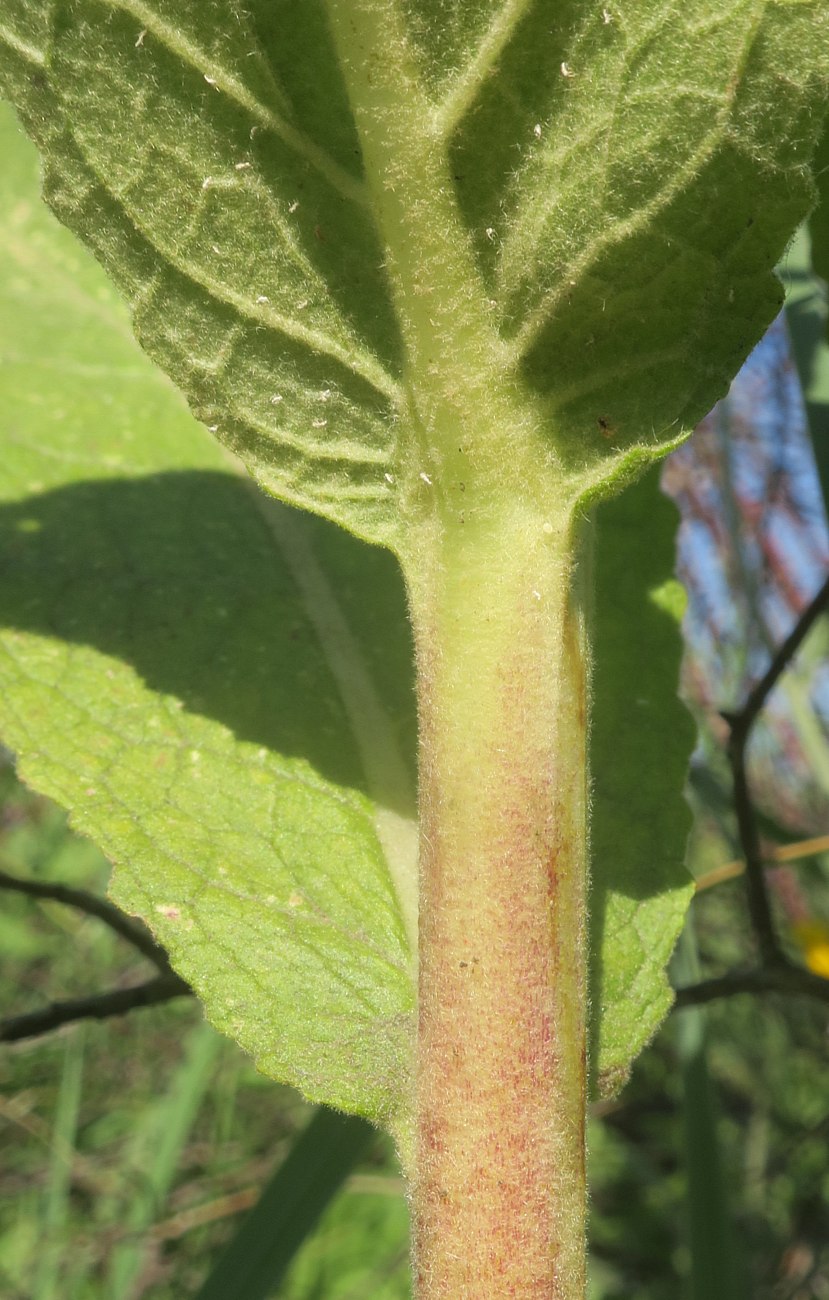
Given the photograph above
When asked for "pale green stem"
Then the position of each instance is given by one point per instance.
(499, 1182)
(497, 1174)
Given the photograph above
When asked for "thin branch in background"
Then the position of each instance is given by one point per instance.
(780, 853)
(93, 905)
(98, 1006)
(760, 693)
(741, 725)
(775, 973)
(786, 978)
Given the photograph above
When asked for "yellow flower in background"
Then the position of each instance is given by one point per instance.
(812, 937)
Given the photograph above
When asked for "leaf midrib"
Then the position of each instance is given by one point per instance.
(461, 383)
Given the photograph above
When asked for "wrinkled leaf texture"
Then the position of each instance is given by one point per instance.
(626, 178)
(608, 167)
(161, 677)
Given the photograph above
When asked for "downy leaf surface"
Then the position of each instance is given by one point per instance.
(819, 220)
(612, 184)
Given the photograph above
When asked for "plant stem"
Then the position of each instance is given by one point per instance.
(497, 1173)
(499, 1181)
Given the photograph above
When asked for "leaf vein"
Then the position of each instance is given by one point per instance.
(21, 47)
(616, 234)
(224, 81)
(470, 81)
(258, 313)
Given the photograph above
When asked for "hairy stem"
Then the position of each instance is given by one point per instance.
(499, 1181)
(497, 1156)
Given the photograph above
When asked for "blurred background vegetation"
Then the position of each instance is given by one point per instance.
(132, 1149)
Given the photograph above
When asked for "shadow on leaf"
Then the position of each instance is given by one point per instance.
(180, 576)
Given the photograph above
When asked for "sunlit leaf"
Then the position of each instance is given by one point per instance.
(591, 198)
(200, 679)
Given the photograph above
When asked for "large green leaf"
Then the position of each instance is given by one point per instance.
(641, 742)
(178, 674)
(220, 691)
(579, 209)
(357, 234)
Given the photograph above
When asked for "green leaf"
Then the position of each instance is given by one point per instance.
(641, 742)
(629, 162)
(264, 300)
(591, 199)
(218, 688)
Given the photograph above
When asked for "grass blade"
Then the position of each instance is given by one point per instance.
(806, 315)
(156, 1153)
(715, 1270)
(289, 1207)
(56, 1208)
